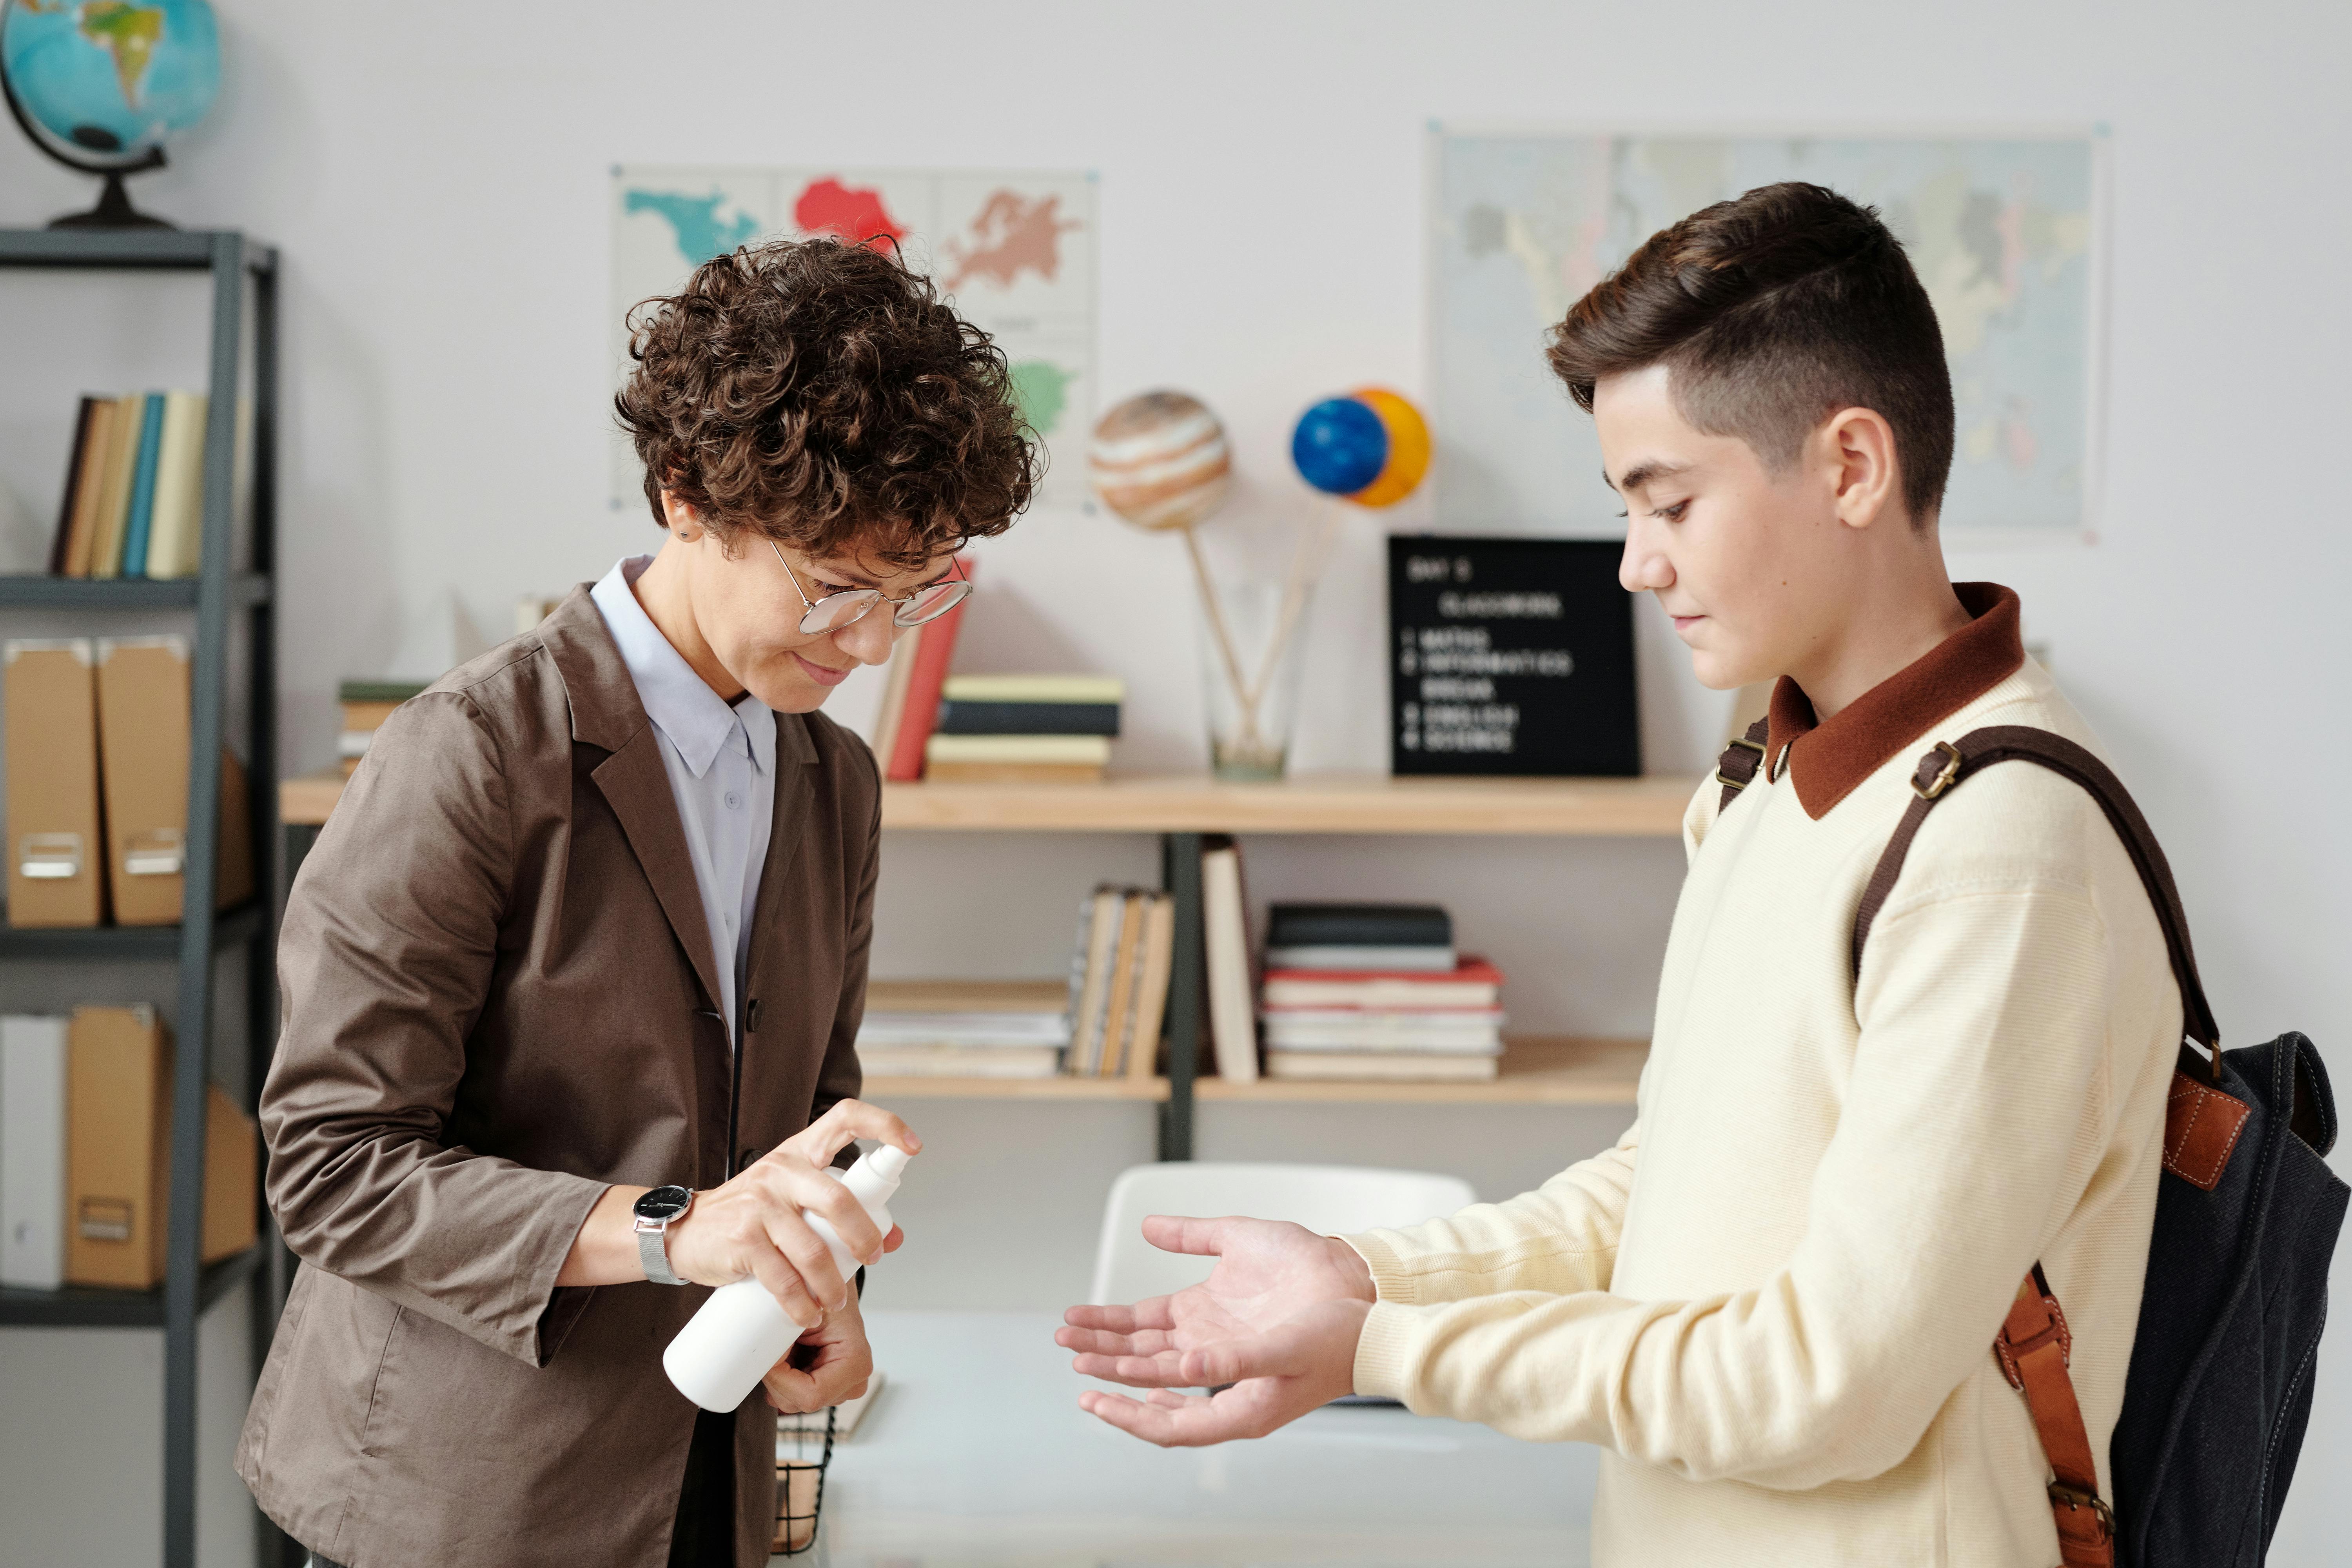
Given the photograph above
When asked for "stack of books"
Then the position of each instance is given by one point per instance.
(367, 705)
(1377, 991)
(134, 503)
(1024, 729)
(965, 1029)
(910, 694)
(1118, 982)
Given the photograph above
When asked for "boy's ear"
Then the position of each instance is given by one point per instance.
(1857, 445)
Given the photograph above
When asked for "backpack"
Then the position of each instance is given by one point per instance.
(2247, 1213)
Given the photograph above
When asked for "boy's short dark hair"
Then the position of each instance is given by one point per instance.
(1772, 311)
(819, 392)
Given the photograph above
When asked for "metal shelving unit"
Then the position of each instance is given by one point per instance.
(217, 596)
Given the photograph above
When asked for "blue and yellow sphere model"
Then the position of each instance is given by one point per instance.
(1370, 447)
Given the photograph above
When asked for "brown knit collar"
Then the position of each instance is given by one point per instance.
(1826, 760)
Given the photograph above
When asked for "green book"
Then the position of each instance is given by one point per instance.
(136, 521)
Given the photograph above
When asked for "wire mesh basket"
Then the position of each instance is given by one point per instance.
(804, 1449)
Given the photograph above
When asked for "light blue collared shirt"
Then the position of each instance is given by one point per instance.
(721, 759)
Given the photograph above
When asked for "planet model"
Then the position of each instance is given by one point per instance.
(100, 85)
(1370, 447)
(1408, 455)
(1339, 445)
(1160, 460)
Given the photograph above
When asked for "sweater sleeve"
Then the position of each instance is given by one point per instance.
(391, 934)
(1982, 1059)
(1560, 1238)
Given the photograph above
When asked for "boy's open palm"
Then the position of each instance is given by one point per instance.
(1278, 1319)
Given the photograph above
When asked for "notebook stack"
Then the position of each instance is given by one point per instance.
(965, 1029)
(1024, 729)
(1377, 992)
(367, 705)
(1119, 973)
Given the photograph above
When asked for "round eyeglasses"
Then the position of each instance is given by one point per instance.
(835, 611)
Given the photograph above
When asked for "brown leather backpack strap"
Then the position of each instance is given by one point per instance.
(1950, 763)
(1736, 769)
(2034, 1347)
(2033, 1344)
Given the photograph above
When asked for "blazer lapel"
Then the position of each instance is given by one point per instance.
(607, 713)
(636, 787)
(795, 792)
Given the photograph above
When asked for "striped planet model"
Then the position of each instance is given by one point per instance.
(1160, 460)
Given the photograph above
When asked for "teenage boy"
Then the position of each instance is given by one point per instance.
(1774, 1301)
(573, 977)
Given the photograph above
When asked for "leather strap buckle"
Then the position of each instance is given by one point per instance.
(2063, 1496)
(2010, 1351)
(1936, 785)
(1739, 742)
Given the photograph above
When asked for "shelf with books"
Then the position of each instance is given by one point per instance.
(189, 476)
(1309, 802)
(1192, 803)
(1151, 1090)
(83, 1307)
(1536, 1069)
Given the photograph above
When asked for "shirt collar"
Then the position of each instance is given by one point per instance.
(1825, 760)
(694, 718)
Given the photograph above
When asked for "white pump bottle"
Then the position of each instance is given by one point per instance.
(740, 1333)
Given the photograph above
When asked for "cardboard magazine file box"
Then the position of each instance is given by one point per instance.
(55, 848)
(144, 724)
(119, 1154)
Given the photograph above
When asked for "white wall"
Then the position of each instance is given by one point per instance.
(437, 175)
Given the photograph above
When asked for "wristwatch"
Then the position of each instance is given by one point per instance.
(657, 1212)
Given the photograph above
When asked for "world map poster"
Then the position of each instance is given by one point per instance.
(1014, 251)
(2002, 231)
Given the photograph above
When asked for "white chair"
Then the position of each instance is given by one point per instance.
(1330, 1199)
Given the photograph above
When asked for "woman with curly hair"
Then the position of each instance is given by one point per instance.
(571, 980)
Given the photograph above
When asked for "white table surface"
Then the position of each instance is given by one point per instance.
(976, 1452)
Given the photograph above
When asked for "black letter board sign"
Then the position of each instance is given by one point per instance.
(1510, 656)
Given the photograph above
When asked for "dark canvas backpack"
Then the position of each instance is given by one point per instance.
(2247, 1214)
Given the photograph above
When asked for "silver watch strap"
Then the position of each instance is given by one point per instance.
(652, 1251)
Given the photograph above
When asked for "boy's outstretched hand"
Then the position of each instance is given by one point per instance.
(1278, 1319)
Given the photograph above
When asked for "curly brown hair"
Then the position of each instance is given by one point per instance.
(820, 394)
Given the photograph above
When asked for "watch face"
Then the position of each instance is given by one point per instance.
(663, 1203)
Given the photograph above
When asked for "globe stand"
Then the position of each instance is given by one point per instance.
(114, 209)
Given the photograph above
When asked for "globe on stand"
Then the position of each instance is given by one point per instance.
(99, 85)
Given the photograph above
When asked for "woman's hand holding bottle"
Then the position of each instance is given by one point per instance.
(752, 1226)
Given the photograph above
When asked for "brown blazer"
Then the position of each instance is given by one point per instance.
(500, 998)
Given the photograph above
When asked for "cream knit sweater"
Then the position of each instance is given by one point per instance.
(1773, 1301)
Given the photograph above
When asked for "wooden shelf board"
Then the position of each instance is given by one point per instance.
(1536, 1070)
(1311, 803)
(884, 1090)
(1194, 803)
(305, 802)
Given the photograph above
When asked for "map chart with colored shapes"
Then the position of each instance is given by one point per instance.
(2002, 231)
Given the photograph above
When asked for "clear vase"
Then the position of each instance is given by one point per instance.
(1249, 684)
